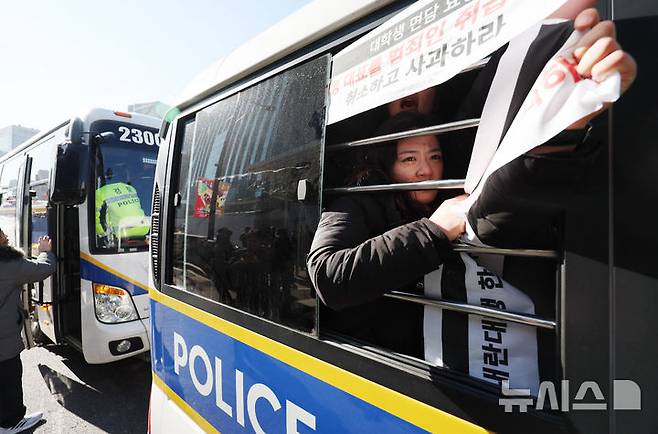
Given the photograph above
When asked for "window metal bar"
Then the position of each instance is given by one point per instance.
(508, 252)
(477, 65)
(526, 319)
(404, 186)
(39, 182)
(437, 129)
(434, 129)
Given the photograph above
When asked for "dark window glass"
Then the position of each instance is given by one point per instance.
(124, 166)
(42, 157)
(241, 234)
(9, 190)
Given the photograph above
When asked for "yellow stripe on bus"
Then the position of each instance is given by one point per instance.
(203, 423)
(94, 261)
(402, 406)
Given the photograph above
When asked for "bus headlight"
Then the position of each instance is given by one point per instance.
(113, 304)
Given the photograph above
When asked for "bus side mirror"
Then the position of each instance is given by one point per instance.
(75, 132)
(101, 138)
(68, 179)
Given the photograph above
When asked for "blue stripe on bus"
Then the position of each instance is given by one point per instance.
(96, 274)
(200, 346)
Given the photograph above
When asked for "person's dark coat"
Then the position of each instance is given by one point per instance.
(15, 271)
(362, 249)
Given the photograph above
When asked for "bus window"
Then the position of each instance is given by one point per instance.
(39, 183)
(240, 234)
(123, 185)
(9, 187)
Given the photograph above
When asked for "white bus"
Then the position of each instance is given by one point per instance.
(97, 300)
(240, 341)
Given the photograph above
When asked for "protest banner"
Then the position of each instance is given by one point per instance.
(425, 45)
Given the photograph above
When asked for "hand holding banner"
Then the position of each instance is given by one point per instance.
(559, 97)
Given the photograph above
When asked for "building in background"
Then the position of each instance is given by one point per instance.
(154, 108)
(14, 135)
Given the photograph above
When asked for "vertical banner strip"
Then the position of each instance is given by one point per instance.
(497, 105)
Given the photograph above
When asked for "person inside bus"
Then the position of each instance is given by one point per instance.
(603, 56)
(366, 245)
(15, 271)
(119, 213)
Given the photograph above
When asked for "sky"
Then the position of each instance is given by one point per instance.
(61, 57)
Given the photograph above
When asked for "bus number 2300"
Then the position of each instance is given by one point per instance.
(137, 136)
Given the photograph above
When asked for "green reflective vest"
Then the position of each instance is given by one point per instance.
(119, 211)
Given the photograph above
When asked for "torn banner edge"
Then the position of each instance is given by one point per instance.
(521, 137)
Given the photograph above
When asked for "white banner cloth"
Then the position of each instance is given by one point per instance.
(558, 98)
(424, 45)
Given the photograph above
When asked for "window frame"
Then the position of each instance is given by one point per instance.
(174, 164)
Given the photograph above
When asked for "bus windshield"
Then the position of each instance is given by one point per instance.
(124, 166)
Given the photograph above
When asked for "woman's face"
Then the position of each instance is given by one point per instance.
(418, 159)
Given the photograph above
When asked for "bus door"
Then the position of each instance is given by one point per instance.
(40, 298)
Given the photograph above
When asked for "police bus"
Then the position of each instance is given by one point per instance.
(241, 342)
(87, 183)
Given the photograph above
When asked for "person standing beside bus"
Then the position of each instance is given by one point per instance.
(15, 271)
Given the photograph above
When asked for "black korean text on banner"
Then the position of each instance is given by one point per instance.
(497, 350)
(423, 46)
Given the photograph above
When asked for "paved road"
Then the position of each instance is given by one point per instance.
(80, 398)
